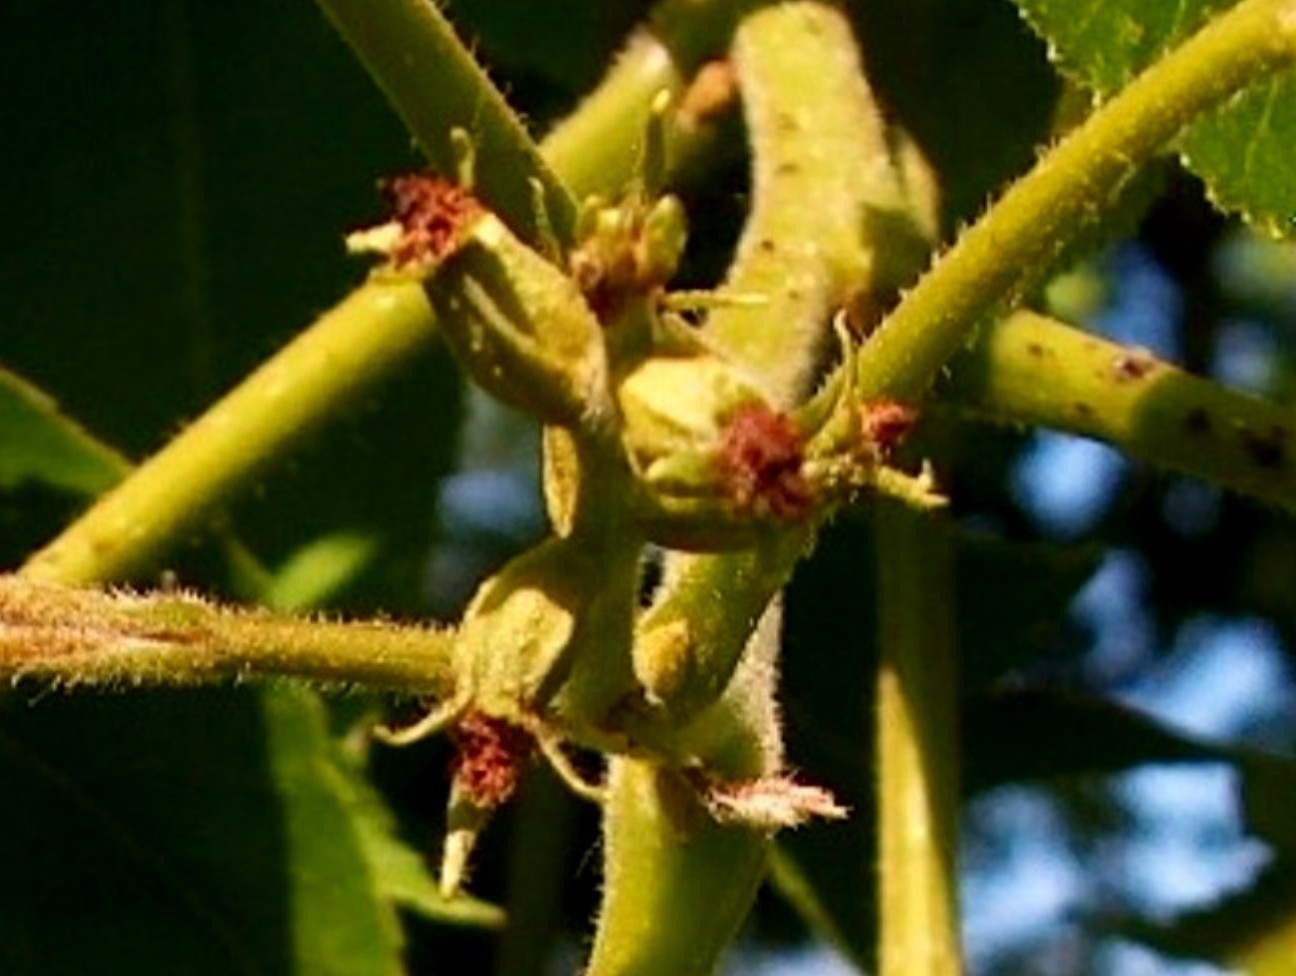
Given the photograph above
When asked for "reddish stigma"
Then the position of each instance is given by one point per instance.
(432, 212)
(760, 459)
(886, 423)
(492, 755)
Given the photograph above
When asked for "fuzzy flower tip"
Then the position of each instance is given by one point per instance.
(492, 755)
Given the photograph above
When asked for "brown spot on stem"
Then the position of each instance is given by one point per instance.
(1267, 450)
(1035, 349)
(492, 755)
(433, 213)
(886, 423)
(1132, 365)
(760, 460)
(1198, 421)
(1084, 410)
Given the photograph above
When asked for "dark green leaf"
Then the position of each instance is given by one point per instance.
(1039, 734)
(182, 832)
(998, 633)
(969, 82)
(1252, 931)
(179, 180)
(39, 444)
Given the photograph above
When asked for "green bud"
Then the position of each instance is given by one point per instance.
(718, 465)
(677, 405)
(665, 232)
(521, 327)
(552, 630)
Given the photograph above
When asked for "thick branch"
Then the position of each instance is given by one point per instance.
(1001, 257)
(1035, 371)
(89, 637)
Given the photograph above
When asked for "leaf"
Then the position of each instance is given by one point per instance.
(178, 200)
(969, 82)
(1034, 733)
(1242, 150)
(1037, 733)
(40, 444)
(195, 832)
(401, 873)
(1252, 931)
(998, 633)
(1244, 154)
(314, 573)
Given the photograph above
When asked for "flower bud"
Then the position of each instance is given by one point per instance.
(520, 326)
(717, 463)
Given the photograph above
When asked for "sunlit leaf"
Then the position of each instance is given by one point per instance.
(1242, 150)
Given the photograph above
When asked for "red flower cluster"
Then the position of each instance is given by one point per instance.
(492, 755)
(760, 459)
(432, 212)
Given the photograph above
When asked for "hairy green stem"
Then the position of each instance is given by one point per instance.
(821, 164)
(348, 350)
(689, 642)
(677, 885)
(1033, 370)
(917, 747)
(999, 259)
(678, 882)
(435, 86)
(76, 636)
(598, 149)
(816, 136)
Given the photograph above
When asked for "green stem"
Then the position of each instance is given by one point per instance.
(344, 355)
(677, 885)
(435, 86)
(685, 649)
(89, 637)
(339, 360)
(821, 164)
(917, 748)
(598, 149)
(816, 136)
(1001, 257)
(1036, 371)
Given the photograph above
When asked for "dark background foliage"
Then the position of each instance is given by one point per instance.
(175, 181)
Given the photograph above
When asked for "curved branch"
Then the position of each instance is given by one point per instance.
(1004, 254)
